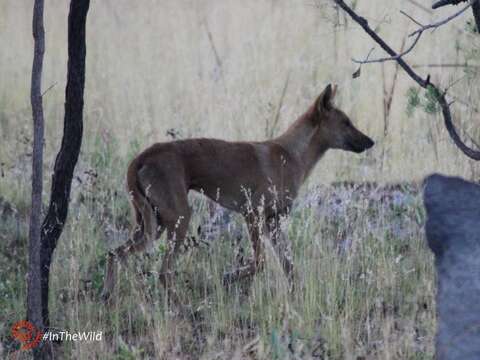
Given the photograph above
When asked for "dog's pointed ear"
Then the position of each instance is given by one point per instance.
(325, 99)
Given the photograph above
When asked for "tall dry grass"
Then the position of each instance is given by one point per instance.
(364, 283)
(219, 68)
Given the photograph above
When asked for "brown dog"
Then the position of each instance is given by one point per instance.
(257, 179)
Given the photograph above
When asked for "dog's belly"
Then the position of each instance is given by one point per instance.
(226, 196)
(244, 198)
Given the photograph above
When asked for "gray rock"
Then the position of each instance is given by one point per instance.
(453, 234)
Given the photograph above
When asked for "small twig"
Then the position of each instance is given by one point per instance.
(427, 10)
(454, 83)
(442, 22)
(49, 88)
(218, 60)
(392, 90)
(212, 44)
(445, 66)
(411, 18)
(388, 99)
(280, 105)
(357, 73)
(391, 58)
(370, 53)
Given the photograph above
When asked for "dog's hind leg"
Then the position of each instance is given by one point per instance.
(176, 223)
(169, 199)
(143, 234)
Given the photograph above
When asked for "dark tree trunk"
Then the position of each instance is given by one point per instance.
(34, 291)
(67, 157)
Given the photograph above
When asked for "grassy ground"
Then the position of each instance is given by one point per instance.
(364, 278)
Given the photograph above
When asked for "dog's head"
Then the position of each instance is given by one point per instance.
(336, 127)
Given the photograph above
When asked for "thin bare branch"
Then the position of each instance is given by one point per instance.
(417, 34)
(454, 83)
(218, 60)
(420, 6)
(49, 88)
(442, 22)
(411, 18)
(271, 130)
(445, 66)
(391, 58)
(424, 83)
(388, 103)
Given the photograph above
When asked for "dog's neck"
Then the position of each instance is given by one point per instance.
(303, 141)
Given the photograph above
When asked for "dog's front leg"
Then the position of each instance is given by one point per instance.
(256, 228)
(282, 247)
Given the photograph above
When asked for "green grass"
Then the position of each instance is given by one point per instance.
(364, 279)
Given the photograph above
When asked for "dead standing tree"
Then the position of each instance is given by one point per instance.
(425, 83)
(43, 239)
(34, 298)
(67, 157)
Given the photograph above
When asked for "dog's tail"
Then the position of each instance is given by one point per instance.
(144, 222)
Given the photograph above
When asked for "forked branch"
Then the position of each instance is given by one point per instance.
(444, 21)
(424, 83)
(391, 58)
(417, 34)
